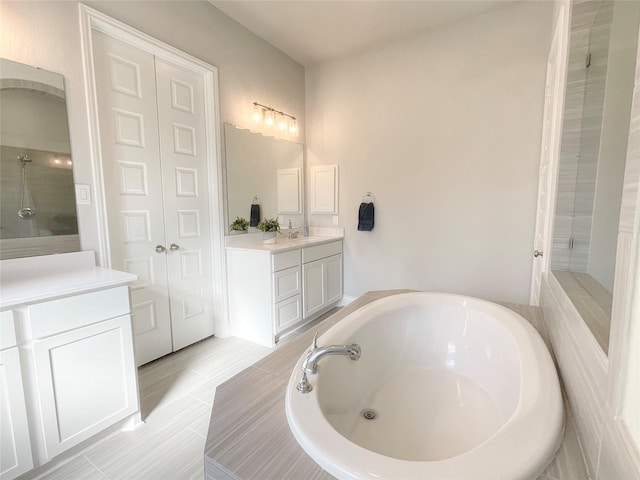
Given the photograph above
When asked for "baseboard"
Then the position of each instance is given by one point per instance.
(346, 300)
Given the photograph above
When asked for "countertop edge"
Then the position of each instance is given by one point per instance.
(61, 285)
(282, 247)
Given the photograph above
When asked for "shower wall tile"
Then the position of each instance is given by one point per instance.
(581, 363)
(632, 169)
(582, 121)
(593, 382)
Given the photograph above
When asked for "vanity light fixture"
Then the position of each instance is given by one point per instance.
(275, 118)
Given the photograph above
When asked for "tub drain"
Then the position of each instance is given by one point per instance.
(368, 414)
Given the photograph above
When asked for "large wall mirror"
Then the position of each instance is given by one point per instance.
(37, 198)
(600, 77)
(266, 171)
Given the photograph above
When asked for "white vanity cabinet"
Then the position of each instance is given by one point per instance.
(321, 277)
(15, 446)
(83, 375)
(67, 367)
(273, 291)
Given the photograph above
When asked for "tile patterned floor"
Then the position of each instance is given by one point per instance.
(176, 396)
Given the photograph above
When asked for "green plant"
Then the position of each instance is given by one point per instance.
(269, 225)
(240, 224)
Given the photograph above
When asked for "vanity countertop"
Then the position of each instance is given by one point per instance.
(32, 279)
(253, 242)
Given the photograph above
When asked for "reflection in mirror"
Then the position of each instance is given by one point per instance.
(37, 199)
(599, 89)
(268, 168)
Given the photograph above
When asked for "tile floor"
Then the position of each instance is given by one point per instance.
(176, 396)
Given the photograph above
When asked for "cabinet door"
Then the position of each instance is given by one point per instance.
(86, 381)
(287, 313)
(286, 284)
(333, 276)
(313, 284)
(15, 448)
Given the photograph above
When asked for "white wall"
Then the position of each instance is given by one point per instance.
(47, 35)
(444, 129)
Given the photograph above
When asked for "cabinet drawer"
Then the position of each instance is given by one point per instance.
(7, 330)
(283, 260)
(287, 313)
(286, 283)
(317, 252)
(48, 318)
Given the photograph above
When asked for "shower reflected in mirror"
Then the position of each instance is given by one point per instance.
(27, 203)
(37, 195)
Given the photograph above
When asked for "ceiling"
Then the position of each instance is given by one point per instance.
(312, 31)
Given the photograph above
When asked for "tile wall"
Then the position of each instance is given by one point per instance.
(582, 124)
(596, 385)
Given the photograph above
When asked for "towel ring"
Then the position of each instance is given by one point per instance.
(367, 198)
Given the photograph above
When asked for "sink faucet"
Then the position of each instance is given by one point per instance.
(310, 363)
(292, 234)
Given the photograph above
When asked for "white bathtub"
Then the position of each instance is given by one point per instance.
(462, 389)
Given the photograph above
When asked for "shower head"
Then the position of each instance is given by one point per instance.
(27, 202)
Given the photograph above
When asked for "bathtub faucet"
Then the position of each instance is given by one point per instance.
(310, 363)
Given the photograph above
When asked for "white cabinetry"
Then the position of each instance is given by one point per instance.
(321, 277)
(67, 367)
(267, 289)
(83, 378)
(15, 446)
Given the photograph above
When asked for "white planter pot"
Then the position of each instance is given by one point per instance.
(268, 237)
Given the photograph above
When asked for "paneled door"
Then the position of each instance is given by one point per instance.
(186, 202)
(154, 155)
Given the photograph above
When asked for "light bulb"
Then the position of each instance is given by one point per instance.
(281, 121)
(268, 118)
(293, 127)
(257, 113)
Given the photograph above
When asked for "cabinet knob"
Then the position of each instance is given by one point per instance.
(537, 253)
(174, 247)
(160, 248)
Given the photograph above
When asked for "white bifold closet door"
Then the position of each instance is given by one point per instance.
(154, 154)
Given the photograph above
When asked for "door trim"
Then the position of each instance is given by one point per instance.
(558, 52)
(93, 20)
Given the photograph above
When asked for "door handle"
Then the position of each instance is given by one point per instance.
(174, 247)
(537, 253)
(160, 248)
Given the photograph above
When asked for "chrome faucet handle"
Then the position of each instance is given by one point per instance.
(314, 345)
(303, 385)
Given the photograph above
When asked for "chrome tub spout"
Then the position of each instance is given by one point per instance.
(310, 363)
